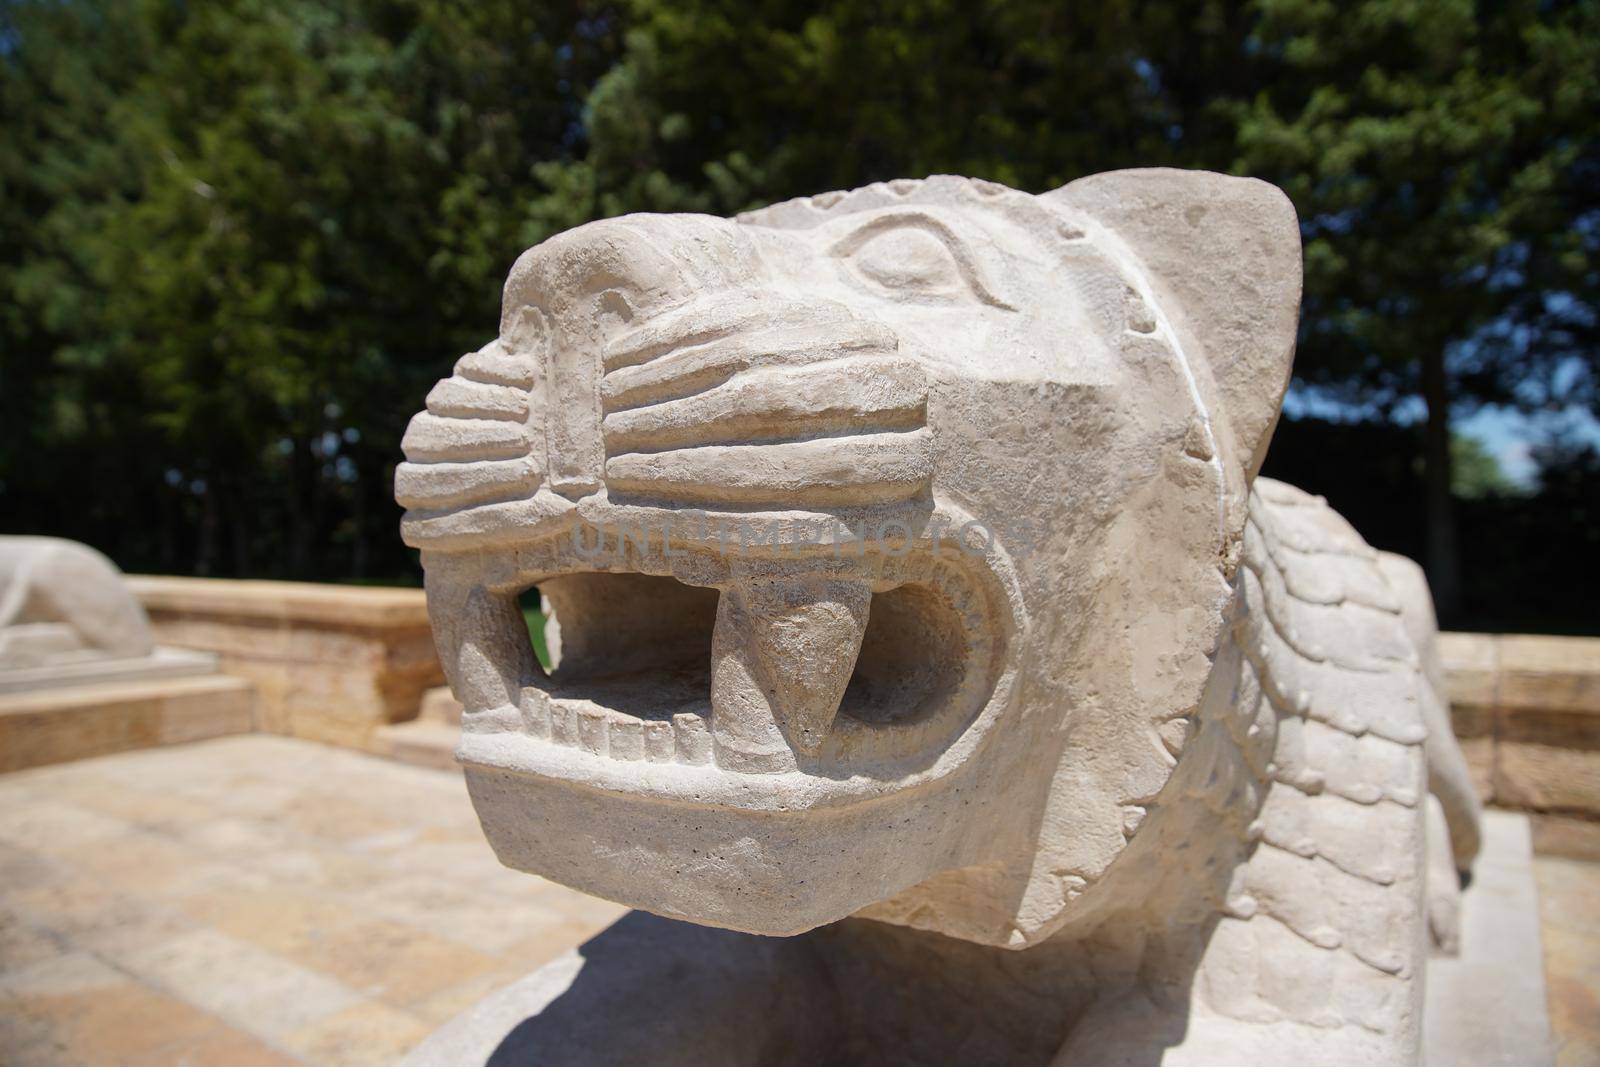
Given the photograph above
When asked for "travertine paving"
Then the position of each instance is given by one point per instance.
(1569, 915)
(254, 900)
(260, 900)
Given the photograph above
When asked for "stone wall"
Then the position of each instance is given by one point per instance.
(1527, 711)
(333, 663)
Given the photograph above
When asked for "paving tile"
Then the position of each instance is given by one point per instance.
(23, 944)
(368, 1034)
(466, 859)
(63, 974)
(1569, 893)
(457, 912)
(238, 839)
(371, 955)
(317, 868)
(49, 826)
(160, 811)
(445, 1004)
(96, 915)
(225, 1047)
(255, 900)
(36, 782)
(76, 1009)
(580, 908)
(546, 945)
(255, 990)
(1569, 907)
(402, 965)
(22, 868)
(38, 1025)
(137, 861)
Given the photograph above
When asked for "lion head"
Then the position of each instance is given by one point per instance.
(891, 534)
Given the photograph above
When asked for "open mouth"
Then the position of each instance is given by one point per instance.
(709, 711)
(856, 669)
(682, 659)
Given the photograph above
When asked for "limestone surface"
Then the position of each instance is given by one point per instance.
(920, 603)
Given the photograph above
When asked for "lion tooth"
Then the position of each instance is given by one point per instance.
(504, 719)
(626, 737)
(744, 731)
(592, 730)
(782, 654)
(535, 711)
(693, 737)
(659, 746)
(563, 723)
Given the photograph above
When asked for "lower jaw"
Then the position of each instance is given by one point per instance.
(690, 842)
(654, 713)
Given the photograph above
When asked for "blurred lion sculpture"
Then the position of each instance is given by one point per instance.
(63, 603)
(921, 605)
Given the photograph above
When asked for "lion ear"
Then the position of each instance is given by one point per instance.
(1223, 255)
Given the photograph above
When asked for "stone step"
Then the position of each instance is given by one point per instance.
(75, 722)
(440, 705)
(422, 742)
(162, 662)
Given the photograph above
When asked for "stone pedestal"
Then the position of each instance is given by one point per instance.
(81, 673)
(430, 739)
(330, 663)
(1527, 711)
(160, 663)
(74, 722)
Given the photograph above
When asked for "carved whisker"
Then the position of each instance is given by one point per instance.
(432, 438)
(860, 396)
(691, 370)
(715, 317)
(828, 472)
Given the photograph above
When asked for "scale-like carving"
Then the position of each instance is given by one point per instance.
(919, 601)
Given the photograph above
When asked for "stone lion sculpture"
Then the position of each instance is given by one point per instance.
(921, 606)
(63, 603)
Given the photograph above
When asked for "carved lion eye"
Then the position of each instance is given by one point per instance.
(909, 260)
(914, 255)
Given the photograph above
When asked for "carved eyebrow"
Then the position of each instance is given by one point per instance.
(960, 251)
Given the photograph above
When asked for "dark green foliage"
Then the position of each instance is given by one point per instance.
(242, 238)
(1530, 555)
(248, 237)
